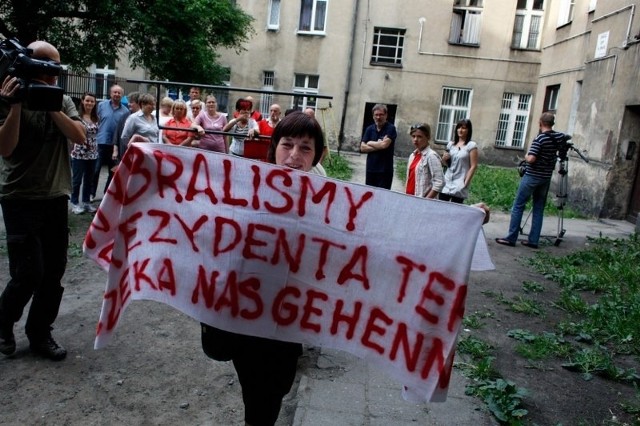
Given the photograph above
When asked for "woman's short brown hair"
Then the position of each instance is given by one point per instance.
(297, 124)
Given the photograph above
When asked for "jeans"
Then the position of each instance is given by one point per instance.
(530, 187)
(83, 171)
(105, 157)
(37, 241)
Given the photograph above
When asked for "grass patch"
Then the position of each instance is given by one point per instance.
(337, 167)
(608, 272)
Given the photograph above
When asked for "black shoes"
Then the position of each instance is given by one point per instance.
(7, 341)
(48, 348)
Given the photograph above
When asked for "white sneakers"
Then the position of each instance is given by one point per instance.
(85, 207)
(77, 209)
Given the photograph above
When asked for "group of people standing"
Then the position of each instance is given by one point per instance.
(426, 175)
(112, 125)
(449, 177)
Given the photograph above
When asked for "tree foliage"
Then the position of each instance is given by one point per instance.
(174, 40)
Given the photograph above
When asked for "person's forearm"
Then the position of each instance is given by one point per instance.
(10, 131)
(364, 147)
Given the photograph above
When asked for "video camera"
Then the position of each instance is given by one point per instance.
(564, 146)
(16, 61)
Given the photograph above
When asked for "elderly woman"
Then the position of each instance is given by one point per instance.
(196, 107)
(143, 127)
(178, 119)
(424, 169)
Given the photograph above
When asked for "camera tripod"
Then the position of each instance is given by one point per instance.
(562, 190)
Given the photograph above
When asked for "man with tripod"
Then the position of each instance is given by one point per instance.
(541, 160)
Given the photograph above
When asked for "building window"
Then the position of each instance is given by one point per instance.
(307, 86)
(105, 78)
(274, 15)
(513, 120)
(388, 44)
(466, 22)
(565, 13)
(266, 99)
(551, 98)
(454, 106)
(313, 16)
(528, 24)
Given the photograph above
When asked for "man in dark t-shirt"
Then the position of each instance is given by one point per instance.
(541, 160)
(378, 142)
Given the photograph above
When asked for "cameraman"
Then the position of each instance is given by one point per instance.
(35, 183)
(541, 160)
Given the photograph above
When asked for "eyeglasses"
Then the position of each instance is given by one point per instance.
(419, 126)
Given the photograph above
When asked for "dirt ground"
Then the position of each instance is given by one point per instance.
(154, 371)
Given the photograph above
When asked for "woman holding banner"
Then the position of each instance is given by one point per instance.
(266, 368)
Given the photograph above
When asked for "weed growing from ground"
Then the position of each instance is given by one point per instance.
(610, 270)
(474, 320)
(337, 167)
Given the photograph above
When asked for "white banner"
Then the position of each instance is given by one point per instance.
(263, 250)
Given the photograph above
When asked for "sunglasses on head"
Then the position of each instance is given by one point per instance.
(419, 126)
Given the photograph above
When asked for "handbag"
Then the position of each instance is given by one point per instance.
(217, 344)
(522, 167)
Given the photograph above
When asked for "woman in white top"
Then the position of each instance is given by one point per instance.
(461, 158)
(243, 126)
(142, 127)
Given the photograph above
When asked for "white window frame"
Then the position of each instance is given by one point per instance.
(565, 12)
(455, 105)
(513, 120)
(387, 46)
(551, 95)
(108, 76)
(466, 22)
(528, 35)
(306, 91)
(266, 99)
(318, 12)
(273, 18)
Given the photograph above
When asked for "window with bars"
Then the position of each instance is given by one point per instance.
(513, 120)
(266, 99)
(274, 15)
(454, 106)
(527, 24)
(466, 22)
(388, 45)
(313, 16)
(307, 86)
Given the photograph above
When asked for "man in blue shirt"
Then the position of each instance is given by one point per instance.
(110, 114)
(378, 143)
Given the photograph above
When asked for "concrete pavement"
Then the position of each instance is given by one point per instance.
(342, 390)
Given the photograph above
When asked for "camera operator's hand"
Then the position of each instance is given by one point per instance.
(10, 130)
(10, 87)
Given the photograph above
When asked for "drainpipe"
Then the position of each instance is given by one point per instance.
(349, 69)
(627, 39)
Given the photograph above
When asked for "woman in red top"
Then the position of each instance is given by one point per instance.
(179, 119)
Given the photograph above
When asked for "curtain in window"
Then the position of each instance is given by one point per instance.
(471, 30)
(274, 13)
(456, 25)
(305, 15)
(321, 12)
